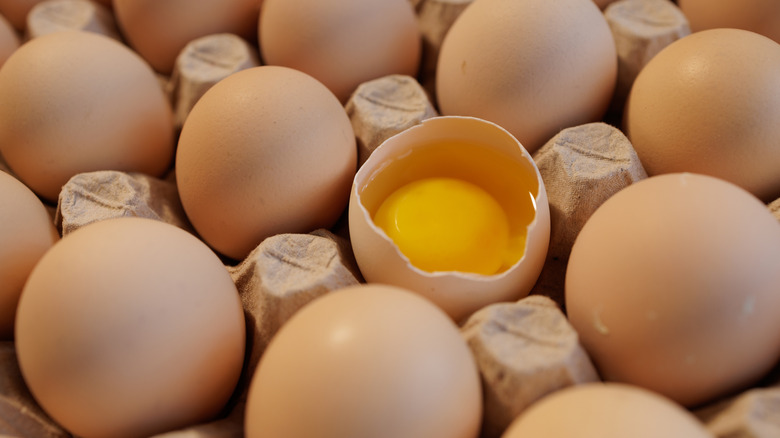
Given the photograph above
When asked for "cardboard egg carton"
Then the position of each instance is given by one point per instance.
(524, 350)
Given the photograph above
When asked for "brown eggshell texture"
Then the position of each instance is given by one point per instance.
(27, 232)
(760, 16)
(265, 151)
(160, 29)
(367, 361)
(606, 410)
(532, 66)
(709, 103)
(342, 43)
(672, 285)
(73, 102)
(130, 327)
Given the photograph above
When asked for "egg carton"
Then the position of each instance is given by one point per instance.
(524, 350)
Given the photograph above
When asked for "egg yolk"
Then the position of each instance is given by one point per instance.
(446, 224)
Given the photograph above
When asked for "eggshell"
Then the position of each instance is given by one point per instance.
(9, 40)
(459, 294)
(672, 285)
(73, 102)
(16, 11)
(531, 66)
(267, 150)
(342, 43)
(606, 410)
(709, 103)
(130, 327)
(160, 29)
(366, 361)
(26, 233)
(760, 16)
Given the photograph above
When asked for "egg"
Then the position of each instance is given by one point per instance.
(366, 361)
(130, 327)
(27, 232)
(709, 103)
(267, 150)
(9, 40)
(477, 235)
(16, 11)
(73, 102)
(534, 67)
(760, 16)
(672, 286)
(160, 29)
(606, 410)
(342, 43)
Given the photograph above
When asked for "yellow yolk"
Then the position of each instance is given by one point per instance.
(446, 224)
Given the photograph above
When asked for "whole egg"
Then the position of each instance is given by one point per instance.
(267, 150)
(73, 102)
(672, 286)
(760, 16)
(27, 232)
(342, 43)
(130, 327)
(366, 361)
(16, 11)
(534, 67)
(606, 410)
(160, 29)
(709, 103)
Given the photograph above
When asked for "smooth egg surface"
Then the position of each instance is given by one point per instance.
(27, 232)
(366, 361)
(672, 286)
(130, 327)
(73, 102)
(709, 103)
(532, 66)
(606, 410)
(342, 43)
(267, 150)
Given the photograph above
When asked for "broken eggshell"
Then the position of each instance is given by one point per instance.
(471, 149)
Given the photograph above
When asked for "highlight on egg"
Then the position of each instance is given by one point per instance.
(130, 327)
(342, 43)
(75, 101)
(672, 286)
(708, 103)
(366, 361)
(454, 209)
(267, 150)
(532, 66)
(606, 410)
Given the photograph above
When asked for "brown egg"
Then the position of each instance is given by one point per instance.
(709, 103)
(342, 43)
(9, 40)
(606, 410)
(533, 67)
(16, 11)
(73, 102)
(672, 286)
(160, 29)
(603, 3)
(27, 232)
(130, 327)
(760, 16)
(267, 150)
(366, 361)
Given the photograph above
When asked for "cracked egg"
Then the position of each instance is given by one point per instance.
(453, 209)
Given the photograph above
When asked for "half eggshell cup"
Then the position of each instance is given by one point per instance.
(469, 149)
